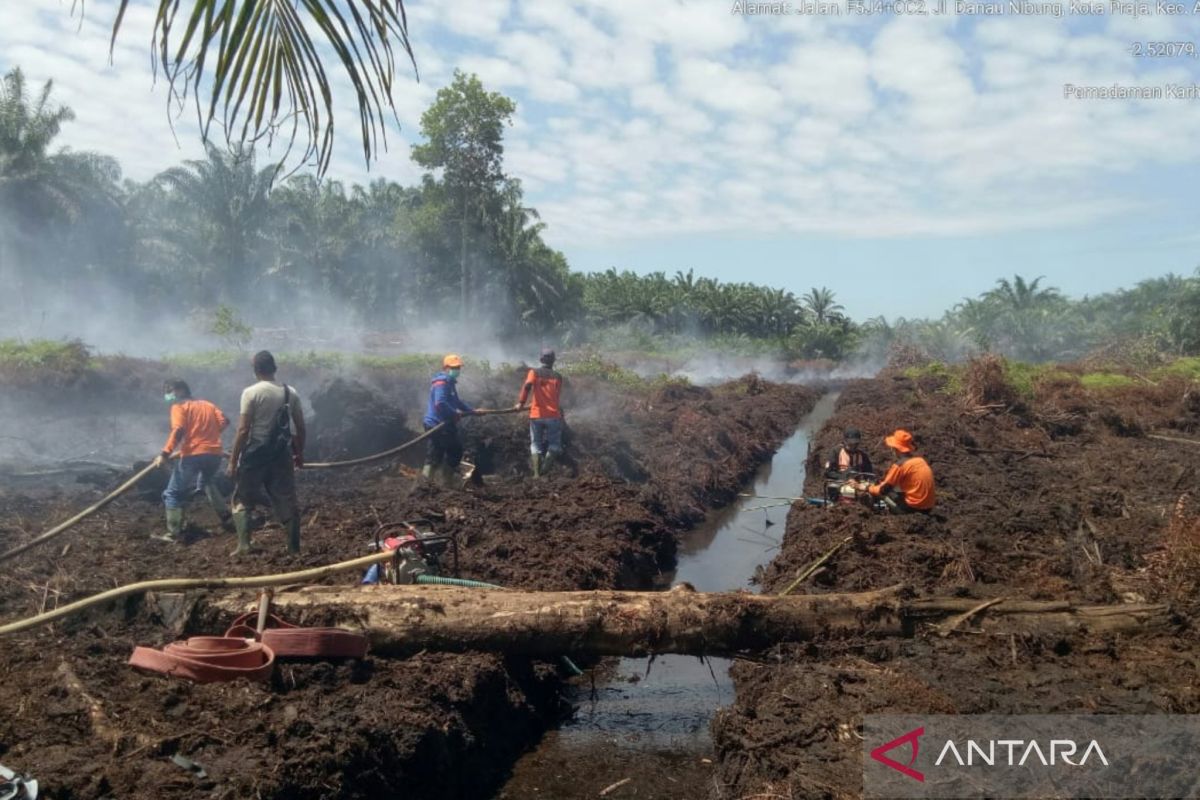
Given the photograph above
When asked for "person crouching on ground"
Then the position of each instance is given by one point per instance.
(444, 449)
(544, 386)
(196, 427)
(908, 484)
(268, 449)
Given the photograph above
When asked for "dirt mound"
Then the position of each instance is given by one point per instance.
(1025, 512)
(352, 420)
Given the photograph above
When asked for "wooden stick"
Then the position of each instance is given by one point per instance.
(182, 584)
(947, 628)
(813, 567)
(605, 791)
(1172, 439)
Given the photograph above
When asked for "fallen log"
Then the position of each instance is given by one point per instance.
(401, 620)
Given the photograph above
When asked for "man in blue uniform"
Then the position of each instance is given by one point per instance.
(444, 449)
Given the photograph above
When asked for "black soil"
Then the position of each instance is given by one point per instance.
(1026, 492)
(433, 725)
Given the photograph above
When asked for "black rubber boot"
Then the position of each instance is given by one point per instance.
(293, 535)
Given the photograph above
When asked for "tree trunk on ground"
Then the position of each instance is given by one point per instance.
(401, 620)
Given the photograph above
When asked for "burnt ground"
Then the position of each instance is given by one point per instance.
(1007, 525)
(73, 715)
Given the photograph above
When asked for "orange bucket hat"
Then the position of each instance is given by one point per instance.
(451, 361)
(901, 440)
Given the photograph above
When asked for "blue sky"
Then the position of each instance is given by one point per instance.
(902, 161)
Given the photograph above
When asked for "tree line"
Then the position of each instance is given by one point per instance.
(230, 232)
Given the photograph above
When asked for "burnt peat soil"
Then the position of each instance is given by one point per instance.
(1030, 492)
(648, 464)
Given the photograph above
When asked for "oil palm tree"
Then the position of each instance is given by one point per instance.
(220, 207)
(1020, 294)
(35, 182)
(43, 192)
(821, 304)
(256, 68)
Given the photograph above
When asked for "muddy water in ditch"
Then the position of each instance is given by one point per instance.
(644, 725)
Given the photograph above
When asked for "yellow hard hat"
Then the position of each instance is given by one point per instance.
(452, 361)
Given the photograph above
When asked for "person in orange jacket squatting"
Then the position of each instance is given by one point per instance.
(908, 484)
(196, 427)
(544, 386)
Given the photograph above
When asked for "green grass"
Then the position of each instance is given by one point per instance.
(1187, 368)
(949, 375)
(596, 367)
(1024, 377)
(409, 363)
(64, 357)
(208, 360)
(1100, 381)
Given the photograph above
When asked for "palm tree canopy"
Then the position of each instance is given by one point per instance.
(254, 66)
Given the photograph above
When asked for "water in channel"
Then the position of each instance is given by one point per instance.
(648, 720)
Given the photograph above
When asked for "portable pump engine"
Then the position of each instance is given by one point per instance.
(415, 553)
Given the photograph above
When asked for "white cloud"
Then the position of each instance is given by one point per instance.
(674, 117)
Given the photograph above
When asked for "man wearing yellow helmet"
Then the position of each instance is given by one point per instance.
(444, 449)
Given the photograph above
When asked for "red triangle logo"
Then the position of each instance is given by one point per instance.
(912, 738)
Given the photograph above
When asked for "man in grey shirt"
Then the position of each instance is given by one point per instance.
(268, 447)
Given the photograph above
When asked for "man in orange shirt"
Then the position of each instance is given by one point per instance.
(908, 484)
(196, 427)
(544, 386)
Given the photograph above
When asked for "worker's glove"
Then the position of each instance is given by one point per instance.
(159, 460)
(458, 415)
(519, 406)
(298, 460)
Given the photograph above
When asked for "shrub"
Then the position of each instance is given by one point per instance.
(57, 363)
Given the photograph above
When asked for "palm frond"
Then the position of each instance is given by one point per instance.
(269, 75)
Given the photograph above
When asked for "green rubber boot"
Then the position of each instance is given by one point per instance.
(217, 501)
(535, 464)
(447, 474)
(548, 462)
(293, 534)
(174, 531)
(241, 522)
(427, 472)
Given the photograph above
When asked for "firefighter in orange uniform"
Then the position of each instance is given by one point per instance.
(908, 484)
(196, 427)
(543, 391)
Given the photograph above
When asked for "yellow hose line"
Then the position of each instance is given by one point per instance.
(366, 459)
(182, 584)
(87, 512)
(401, 448)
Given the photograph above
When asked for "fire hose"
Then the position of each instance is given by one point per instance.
(82, 515)
(209, 659)
(401, 448)
(183, 584)
(129, 484)
(293, 641)
(377, 456)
